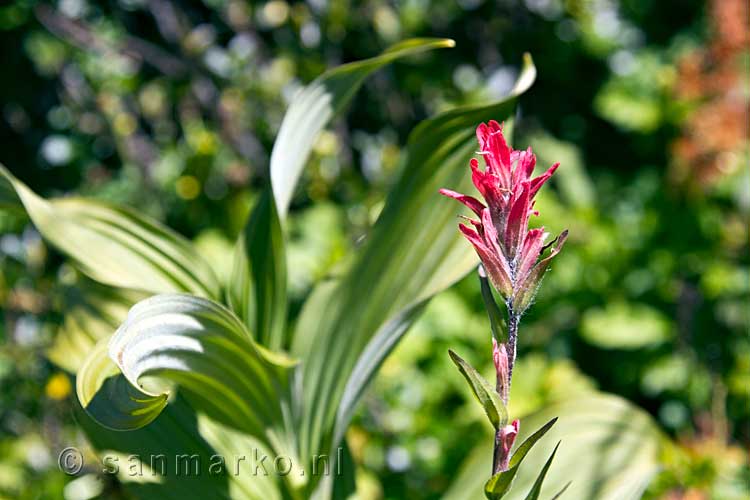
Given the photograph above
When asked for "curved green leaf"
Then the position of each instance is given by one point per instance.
(413, 252)
(200, 346)
(110, 398)
(610, 451)
(115, 245)
(483, 391)
(257, 288)
(315, 105)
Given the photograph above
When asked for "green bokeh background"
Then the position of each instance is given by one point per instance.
(172, 107)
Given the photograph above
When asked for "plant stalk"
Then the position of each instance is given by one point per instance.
(499, 458)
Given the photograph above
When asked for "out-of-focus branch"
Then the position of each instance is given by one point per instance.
(84, 37)
(167, 20)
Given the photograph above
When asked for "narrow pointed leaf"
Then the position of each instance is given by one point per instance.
(560, 493)
(537, 488)
(315, 105)
(483, 391)
(529, 442)
(257, 288)
(116, 245)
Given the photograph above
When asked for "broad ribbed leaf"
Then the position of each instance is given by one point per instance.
(115, 245)
(315, 105)
(610, 451)
(369, 362)
(204, 349)
(257, 287)
(413, 252)
(110, 398)
(483, 391)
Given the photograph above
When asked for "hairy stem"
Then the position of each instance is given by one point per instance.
(499, 455)
(513, 319)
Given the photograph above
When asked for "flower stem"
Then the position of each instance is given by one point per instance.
(513, 320)
(497, 458)
(499, 455)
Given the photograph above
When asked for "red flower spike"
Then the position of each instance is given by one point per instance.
(496, 267)
(502, 239)
(518, 222)
(527, 287)
(475, 205)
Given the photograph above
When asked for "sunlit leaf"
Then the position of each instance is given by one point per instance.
(315, 105)
(483, 391)
(257, 287)
(198, 345)
(116, 245)
(110, 398)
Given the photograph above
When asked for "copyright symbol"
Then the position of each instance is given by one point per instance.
(70, 461)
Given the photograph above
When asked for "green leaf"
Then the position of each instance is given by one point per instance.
(92, 313)
(110, 398)
(147, 459)
(537, 488)
(611, 452)
(340, 484)
(521, 452)
(257, 288)
(500, 483)
(315, 105)
(115, 245)
(483, 391)
(497, 321)
(200, 346)
(369, 362)
(560, 493)
(413, 252)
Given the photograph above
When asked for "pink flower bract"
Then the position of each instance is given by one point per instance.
(500, 234)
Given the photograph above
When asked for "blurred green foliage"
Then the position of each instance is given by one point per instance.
(173, 107)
